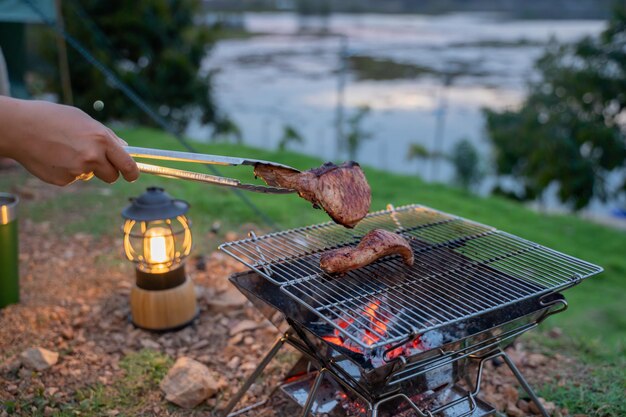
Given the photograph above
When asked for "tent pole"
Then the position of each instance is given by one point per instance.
(64, 70)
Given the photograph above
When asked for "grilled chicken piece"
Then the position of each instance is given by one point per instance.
(341, 190)
(374, 245)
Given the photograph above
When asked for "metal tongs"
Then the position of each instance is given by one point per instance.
(166, 155)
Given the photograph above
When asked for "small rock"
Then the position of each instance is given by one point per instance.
(548, 405)
(48, 411)
(50, 391)
(149, 344)
(216, 226)
(67, 333)
(200, 263)
(234, 362)
(230, 236)
(188, 383)
(24, 373)
(510, 394)
(38, 358)
(236, 339)
(513, 411)
(535, 360)
(555, 333)
(11, 366)
(243, 326)
(523, 405)
(112, 413)
(200, 345)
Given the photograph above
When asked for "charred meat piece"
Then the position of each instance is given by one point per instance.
(374, 245)
(341, 190)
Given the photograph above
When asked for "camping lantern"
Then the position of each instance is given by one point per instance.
(157, 238)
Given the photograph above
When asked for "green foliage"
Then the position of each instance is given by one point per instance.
(356, 135)
(466, 161)
(570, 129)
(290, 135)
(154, 46)
(417, 151)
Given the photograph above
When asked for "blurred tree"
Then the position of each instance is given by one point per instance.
(466, 161)
(570, 130)
(154, 46)
(417, 152)
(290, 135)
(225, 129)
(356, 135)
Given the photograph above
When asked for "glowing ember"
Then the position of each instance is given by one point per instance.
(371, 327)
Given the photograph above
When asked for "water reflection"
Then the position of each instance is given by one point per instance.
(284, 77)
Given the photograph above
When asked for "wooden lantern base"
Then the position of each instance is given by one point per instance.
(164, 310)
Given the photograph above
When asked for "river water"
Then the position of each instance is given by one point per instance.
(288, 76)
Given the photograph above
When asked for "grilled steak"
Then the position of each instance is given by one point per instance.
(341, 190)
(374, 245)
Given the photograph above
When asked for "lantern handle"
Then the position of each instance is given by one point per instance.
(167, 155)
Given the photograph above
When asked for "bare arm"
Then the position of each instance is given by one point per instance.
(58, 143)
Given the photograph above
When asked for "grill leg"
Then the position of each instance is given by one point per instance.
(246, 385)
(524, 384)
(313, 393)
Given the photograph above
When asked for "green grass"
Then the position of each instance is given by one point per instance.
(597, 392)
(134, 394)
(595, 323)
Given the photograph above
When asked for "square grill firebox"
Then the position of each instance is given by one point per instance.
(393, 340)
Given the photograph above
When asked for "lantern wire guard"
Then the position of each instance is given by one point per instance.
(157, 239)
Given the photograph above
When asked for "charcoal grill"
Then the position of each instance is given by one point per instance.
(394, 338)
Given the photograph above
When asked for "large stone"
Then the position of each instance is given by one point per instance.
(38, 358)
(188, 383)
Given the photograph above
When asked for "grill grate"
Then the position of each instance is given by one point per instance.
(462, 269)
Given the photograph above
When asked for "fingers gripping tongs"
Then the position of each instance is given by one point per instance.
(166, 155)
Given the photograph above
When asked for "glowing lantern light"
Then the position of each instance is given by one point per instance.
(157, 238)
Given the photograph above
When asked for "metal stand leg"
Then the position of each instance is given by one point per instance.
(312, 394)
(374, 411)
(246, 385)
(524, 384)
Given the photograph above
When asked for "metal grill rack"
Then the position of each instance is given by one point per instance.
(462, 269)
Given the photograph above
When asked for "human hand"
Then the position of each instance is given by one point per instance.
(60, 143)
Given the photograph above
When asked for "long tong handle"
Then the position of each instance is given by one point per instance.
(206, 178)
(167, 155)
